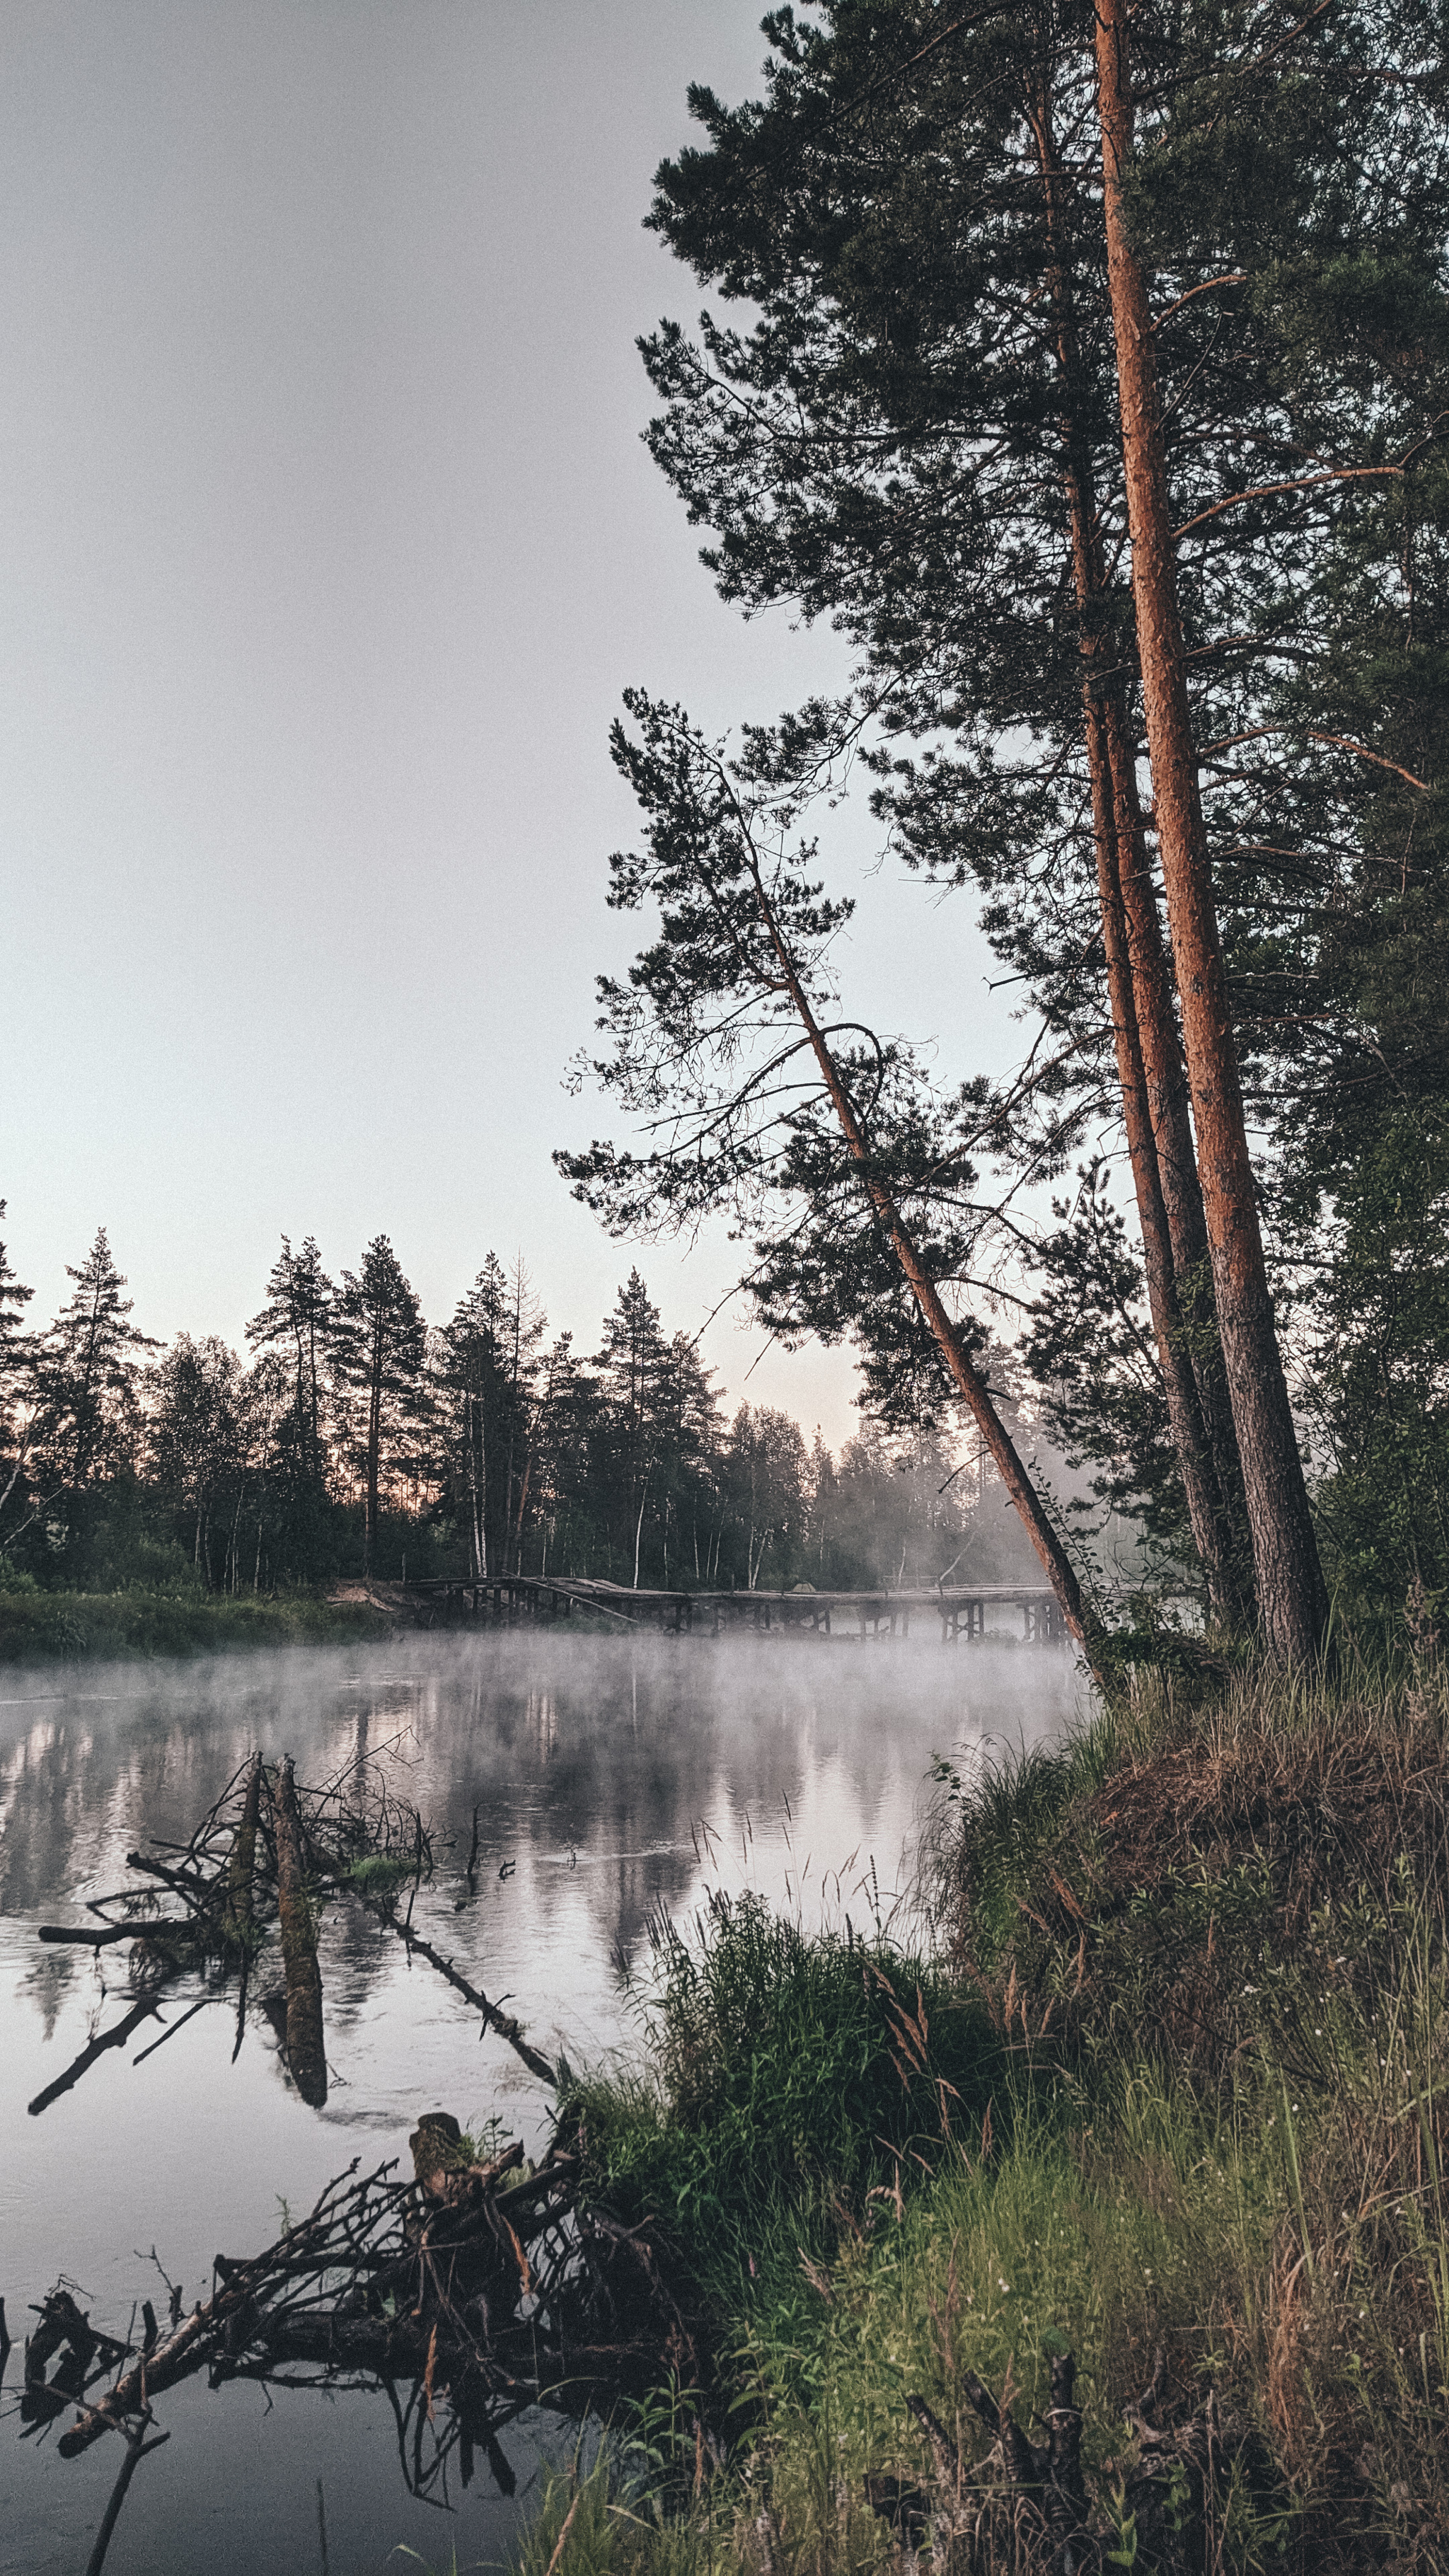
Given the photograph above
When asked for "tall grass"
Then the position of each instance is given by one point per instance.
(779, 2081)
(1189, 2030)
(47, 1626)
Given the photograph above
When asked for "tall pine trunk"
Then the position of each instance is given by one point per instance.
(1138, 993)
(1181, 1183)
(374, 1454)
(1079, 1617)
(1291, 1595)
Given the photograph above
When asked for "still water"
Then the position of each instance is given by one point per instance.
(610, 1776)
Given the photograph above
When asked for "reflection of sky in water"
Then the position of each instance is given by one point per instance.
(613, 1775)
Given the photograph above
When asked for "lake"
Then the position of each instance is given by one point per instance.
(610, 1777)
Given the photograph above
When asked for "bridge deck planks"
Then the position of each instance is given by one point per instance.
(960, 1611)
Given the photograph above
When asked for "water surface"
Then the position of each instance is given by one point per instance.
(609, 1776)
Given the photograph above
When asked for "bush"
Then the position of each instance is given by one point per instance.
(786, 2079)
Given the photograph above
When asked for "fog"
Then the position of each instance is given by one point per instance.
(609, 1775)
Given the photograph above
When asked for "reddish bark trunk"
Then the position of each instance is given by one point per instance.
(1177, 1162)
(1153, 1104)
(1290, 1581)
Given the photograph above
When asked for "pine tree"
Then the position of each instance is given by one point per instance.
(766, 1481)
(489, 1373)
(297, 1317)
(15, 1376)
(632, 1366)
(527, 1324)
(571, 1442)
(920, 438)
(378, 1348)
(472, 1377)
(925, 358)
(198, 1442)
(1291, 1590)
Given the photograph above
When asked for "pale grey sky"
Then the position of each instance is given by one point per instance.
(327, 543)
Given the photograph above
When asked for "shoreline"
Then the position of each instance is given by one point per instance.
(105, 1627)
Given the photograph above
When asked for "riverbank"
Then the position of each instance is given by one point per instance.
(1169, 2100)
(37, 1626)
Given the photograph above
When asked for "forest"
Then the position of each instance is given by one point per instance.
(356, 1439)
(1089, 375)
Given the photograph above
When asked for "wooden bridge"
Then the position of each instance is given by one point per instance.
(500, 1600)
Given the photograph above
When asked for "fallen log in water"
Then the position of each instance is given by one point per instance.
(271, 1852)
(487, 2285)
(494, 2018)
(115, 2037)
(242, 1862)
(306, 2052)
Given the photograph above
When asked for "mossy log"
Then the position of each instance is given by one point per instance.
(241, 1867)
(306, 2053)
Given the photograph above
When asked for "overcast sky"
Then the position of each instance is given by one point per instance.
(327, 543)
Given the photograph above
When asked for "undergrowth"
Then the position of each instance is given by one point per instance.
(1171, 2095)
(45, 1626)
(781, 2081)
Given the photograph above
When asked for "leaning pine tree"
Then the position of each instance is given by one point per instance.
(762, 1100)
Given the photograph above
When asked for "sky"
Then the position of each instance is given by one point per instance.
(327, 545)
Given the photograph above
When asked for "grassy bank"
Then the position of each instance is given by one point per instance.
(38, 1626)
(1169, 2097)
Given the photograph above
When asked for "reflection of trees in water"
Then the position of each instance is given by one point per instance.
(79, 1796)
(614, 1756)
(610, 1773)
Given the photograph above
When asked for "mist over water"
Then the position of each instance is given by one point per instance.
(610, 1776)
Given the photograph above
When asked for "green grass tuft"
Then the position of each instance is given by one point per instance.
(782, 2079)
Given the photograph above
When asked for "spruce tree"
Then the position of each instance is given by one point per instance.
(87, 1377)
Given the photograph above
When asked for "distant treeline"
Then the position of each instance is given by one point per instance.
(356, 1438)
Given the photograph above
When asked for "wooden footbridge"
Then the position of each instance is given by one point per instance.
(501, 1600)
